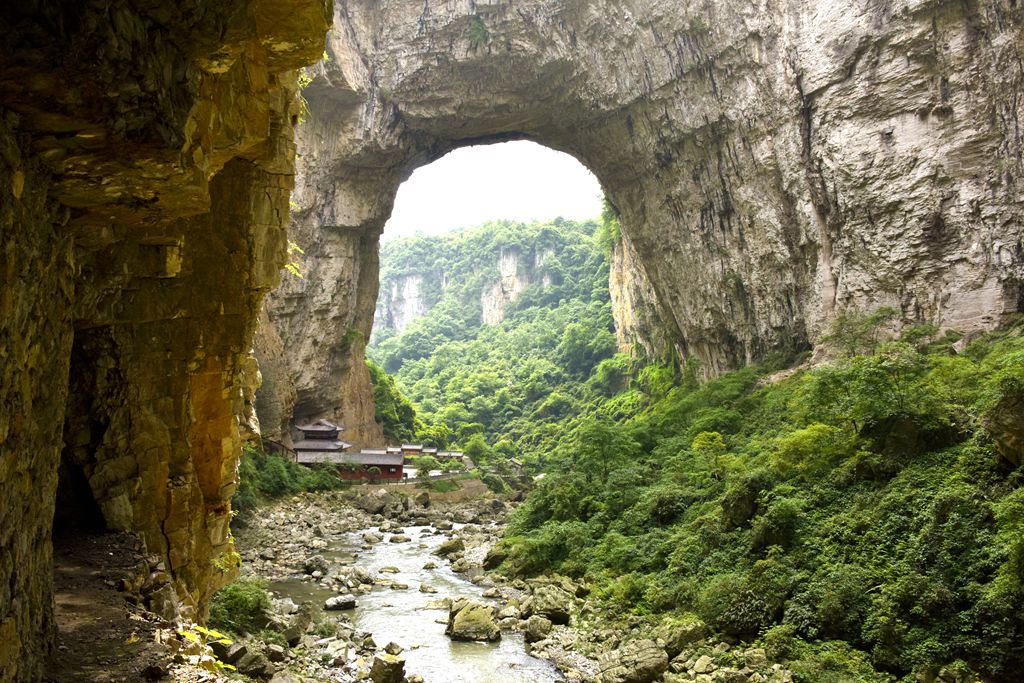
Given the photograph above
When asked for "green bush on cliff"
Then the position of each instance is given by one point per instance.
(392, 410)
(241, 607)
(263, 476)
(856, 517)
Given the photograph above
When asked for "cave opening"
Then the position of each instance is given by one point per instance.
(517, 182)
(93, 387)
(76, 511)
(484, 244)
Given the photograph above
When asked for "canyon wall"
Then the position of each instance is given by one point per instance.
(410, 290)
(773, 163)
(146, 161)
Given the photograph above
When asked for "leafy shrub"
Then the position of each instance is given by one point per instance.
(810, 450)
(241, 607)
(495, 483)
(727, 604)
(777, 526)
(265, 475)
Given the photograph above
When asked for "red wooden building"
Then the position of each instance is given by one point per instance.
(371, 465)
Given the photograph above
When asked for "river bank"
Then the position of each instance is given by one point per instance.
(402, 565)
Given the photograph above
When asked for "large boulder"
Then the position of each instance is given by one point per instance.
(255, 665)
(387, 668)
(678, 632)
(340, 602)
(298, 624)
(450, 547)
(316, 563)
(551, 602)
(536, 628)
(638, 661)
(382, 502)
(495, 556)
(472, 621)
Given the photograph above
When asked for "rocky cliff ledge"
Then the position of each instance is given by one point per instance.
(146, 162)
(773, 163)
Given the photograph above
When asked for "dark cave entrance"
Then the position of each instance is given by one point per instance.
(77, 511)
(94, 388)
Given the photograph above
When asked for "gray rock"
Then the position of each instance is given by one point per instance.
(316, 563)
(255, 665)
(298, 624)
(638, 661)
(230, 653)
(472, 621)
(551, 602)
(340, 602)
(677, 634)
(450, 547)
(704, 665)
(387, 668)
(536, 628)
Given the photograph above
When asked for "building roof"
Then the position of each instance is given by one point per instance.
(450, 454)
(430, 450)
(320, 445)
(375, 451)
(338, 458)
(393, 449)
(319, 426)
(412, 447)
(371, 458)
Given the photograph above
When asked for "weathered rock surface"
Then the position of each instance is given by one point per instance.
(340, 602)
(387, 668)
(146, 161)
(638, 661)
(773, 165)
(536, 628)
(469, 620)
(551, 602)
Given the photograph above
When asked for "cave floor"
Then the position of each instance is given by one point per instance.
(102, 637)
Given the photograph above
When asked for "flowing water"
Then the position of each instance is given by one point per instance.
(403, 616)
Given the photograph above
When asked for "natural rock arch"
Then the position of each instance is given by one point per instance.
(772, 164)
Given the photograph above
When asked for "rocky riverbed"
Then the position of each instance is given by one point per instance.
(388, 587)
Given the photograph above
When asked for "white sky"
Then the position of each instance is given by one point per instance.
(513, 180)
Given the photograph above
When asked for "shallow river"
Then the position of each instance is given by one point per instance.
(402, 616)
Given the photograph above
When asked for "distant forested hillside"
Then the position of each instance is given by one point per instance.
(518, 383)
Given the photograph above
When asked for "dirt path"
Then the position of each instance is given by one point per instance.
(102, 638)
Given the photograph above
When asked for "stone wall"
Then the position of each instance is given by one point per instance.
(36, 292)
(146, 161)
(773, 164)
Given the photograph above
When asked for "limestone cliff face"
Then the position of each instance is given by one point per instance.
(639, 326)
(146, 161)
(401, 302)
(773, 163)
(513, 278)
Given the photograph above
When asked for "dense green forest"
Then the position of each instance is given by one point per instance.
(511, 389)
(855, 518)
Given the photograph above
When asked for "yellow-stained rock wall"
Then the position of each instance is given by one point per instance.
(146, 163)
